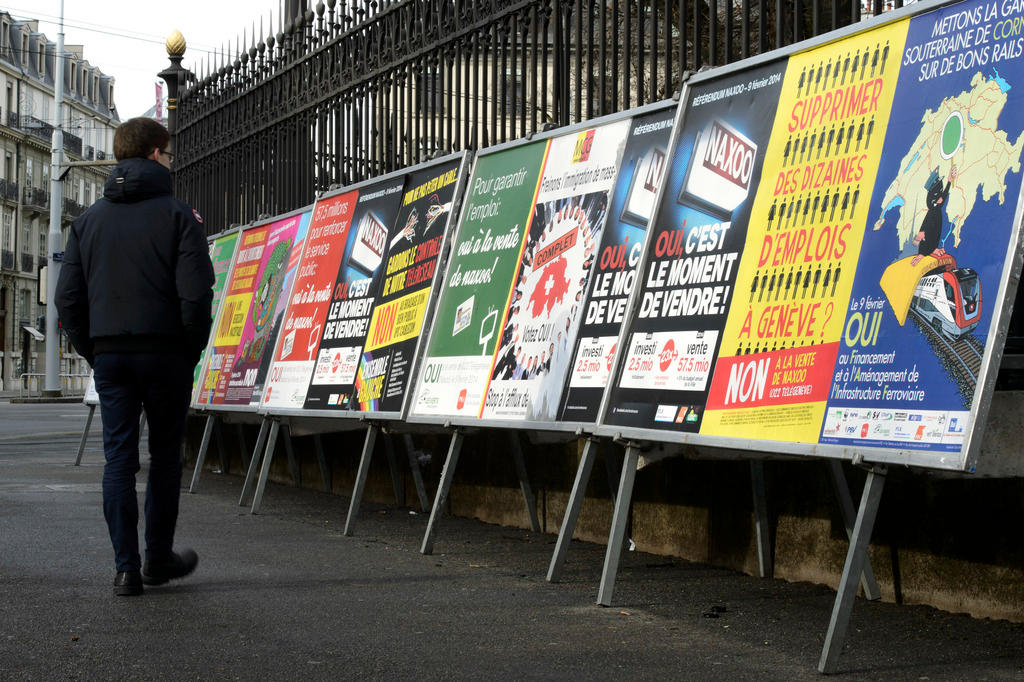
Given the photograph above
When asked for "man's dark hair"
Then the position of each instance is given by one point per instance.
(138, 137)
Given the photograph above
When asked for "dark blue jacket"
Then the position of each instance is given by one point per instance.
(136, 275)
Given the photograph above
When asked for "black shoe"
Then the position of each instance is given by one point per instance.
(179, 566)
(127, 584)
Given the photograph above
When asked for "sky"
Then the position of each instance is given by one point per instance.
(125, 39)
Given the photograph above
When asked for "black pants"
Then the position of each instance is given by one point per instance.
(126, 382)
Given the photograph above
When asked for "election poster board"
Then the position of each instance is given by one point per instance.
(302, 325)
(533, 223)
(693, 248)
(478, 282)
(879, 238)
(416, 244)
(941, 225)
(222, 253)
(357, 281)
(561, 246)
(233, 310)
(274, 277)
(364, 291)
(630, 207)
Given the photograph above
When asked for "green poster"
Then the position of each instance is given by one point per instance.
(222, 250)
(482, 267)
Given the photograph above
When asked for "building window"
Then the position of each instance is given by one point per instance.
(24, 50)
(9, 168)
(26, 306)
(42, 243)
(41, 59)
(30, 171)
(26, 235)
(8, 233)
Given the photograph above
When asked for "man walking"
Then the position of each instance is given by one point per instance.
(134, 297)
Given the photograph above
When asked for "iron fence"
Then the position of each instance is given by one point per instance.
(357, 88)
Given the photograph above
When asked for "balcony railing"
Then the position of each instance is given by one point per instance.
(12, 119)
(44, 131)
(101, 155)
(88, 153)
(72, 208)
(72, 143)
(7, 259)
(26, 262)
(37, 127)
(9, 190)
(36, 197)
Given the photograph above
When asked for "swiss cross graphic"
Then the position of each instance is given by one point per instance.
(551, 289)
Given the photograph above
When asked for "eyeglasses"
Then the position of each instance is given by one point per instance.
(169, 155)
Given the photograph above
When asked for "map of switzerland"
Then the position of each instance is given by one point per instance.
(959, 140)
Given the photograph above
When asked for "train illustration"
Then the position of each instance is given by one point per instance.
(949, 301)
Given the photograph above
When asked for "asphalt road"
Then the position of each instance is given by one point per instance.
(284, 595)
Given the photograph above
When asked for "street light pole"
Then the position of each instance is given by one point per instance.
(55, 245)
(175, 76)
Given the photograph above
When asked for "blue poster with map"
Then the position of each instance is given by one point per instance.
(940, 224)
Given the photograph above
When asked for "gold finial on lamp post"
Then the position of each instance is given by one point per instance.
(174, 76)
(175, 44)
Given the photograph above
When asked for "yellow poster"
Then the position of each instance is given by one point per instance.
(232, 319)
(806, 226)
(397, 320)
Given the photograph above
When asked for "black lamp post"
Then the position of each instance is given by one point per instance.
(174, 76)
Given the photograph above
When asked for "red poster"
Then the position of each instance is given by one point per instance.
(295, 355)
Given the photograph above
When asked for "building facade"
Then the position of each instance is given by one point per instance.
(27, 118)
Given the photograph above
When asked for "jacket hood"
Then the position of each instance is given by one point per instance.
(137, 179)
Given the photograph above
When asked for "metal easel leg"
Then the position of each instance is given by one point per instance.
(524, 481)
(204, 445)
(417, 473)
(396, 480)
(855, 559)
(618, 531)
(325, 468)
(762, 528)
(85, 435)
(222, 452)
(293, 464)
(447, 474)
(867, 578)
(268, 456)
(360, 477)
(254, 461)
(572, 511)
(364, 469)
